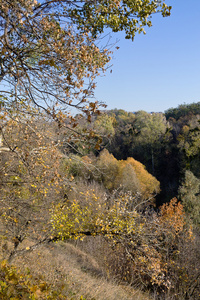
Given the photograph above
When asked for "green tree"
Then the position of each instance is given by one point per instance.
(127, 16)
(189, 145)
(189, 193)
(183, 110)
(149, 129)
(121, 142)
(103, 126)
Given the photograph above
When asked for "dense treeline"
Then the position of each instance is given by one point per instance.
(183, 110)
(167, 144)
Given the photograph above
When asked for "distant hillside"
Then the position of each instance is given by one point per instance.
(183, 110)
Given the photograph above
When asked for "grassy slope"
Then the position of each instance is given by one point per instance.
(76, 273)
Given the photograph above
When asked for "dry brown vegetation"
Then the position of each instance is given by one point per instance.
(78, 274)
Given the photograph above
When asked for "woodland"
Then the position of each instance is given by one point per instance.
(94, 204)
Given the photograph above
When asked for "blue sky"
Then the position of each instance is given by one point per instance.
(158, 70)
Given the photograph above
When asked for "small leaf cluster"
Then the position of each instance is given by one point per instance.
(128, 16)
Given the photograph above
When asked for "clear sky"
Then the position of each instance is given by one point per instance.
(158, 70)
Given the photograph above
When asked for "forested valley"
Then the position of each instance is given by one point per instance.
(124, 199)
(95, 204)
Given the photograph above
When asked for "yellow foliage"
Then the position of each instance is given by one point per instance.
(109, 166)
(17, 285)
(149, 184)
(129, 174)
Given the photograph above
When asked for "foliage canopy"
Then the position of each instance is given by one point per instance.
(49, 54)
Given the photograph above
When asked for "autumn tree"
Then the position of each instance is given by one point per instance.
(116, 175)
(30, 180)
(50, 56)
(35, 66)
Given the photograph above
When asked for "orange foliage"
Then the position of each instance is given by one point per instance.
(172, 215)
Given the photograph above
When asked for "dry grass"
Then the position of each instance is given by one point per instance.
(76, 273)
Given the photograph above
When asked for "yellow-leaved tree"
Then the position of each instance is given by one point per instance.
(122, 175)
(30, 180)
